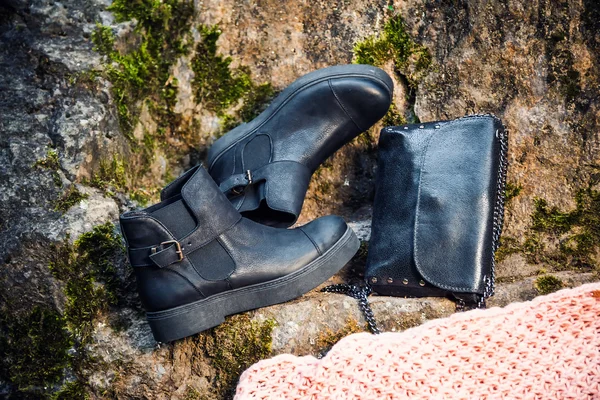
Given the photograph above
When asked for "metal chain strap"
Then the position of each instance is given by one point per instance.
(360, 293)
(489, 289)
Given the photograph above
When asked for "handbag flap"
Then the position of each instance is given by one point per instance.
(455, 204)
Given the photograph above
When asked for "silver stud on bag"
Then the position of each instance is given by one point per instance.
(390, 280)
(373, 280)
(421, 127)
(406, 127)
(421, 282)
(405, 281)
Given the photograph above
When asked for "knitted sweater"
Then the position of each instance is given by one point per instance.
(548, 348)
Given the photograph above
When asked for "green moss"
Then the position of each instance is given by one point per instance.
(228, 122)
(51, 163)
(547, 284)
(103, 39)
(508, 246)
(550, 219)
(328, 338)
(411, 59)
(235, 345)
(581, 226)
(372, 51)
(562, 239)
(366, 141)
(139, 66)
(141, 197)
(38, 347)
(33, 350)
(86, 299)
(71, 197)
(534, 249)
(110, 174)
(99, 249)
(87, 269)
(393, 117)
(193, 394)
(144, 72)
(71, 391)
(216, 85)
(150, 143)
(511, 191)
(255, 102)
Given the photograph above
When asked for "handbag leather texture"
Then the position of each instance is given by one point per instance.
(438, 208)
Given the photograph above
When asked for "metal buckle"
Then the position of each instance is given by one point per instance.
(176, 243)
(239, 189)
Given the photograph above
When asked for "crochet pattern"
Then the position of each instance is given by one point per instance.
(548, 348)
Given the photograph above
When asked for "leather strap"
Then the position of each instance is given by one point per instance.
(239, 180)
(261, 174)
(141, 257)
(213, 215)
(170, 252)
(162, 255)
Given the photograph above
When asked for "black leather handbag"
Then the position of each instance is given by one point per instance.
(438, 209)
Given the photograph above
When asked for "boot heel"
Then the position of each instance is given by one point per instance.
(285, 191)
(284, 185)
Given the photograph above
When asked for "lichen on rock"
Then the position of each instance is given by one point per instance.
(234, 346)
(328, 338)
(168, 77)
(547, 284)
(71, 197)
(558, 239)
(38, 344)
(144, 72)
(218, 87)
(33, 349)
(52, 164)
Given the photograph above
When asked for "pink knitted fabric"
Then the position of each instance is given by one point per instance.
(548, 348)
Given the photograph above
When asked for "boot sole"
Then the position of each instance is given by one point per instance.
(189, 319)
(340, 71)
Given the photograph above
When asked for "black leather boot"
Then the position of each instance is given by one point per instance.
(197, 260)
(264, 166)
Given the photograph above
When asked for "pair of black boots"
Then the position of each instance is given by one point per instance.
(216, 244)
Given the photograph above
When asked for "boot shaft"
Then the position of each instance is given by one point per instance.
(170, 241)
(187, 202)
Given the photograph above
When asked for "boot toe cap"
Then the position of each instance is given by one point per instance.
(325, 232)
(365, 99)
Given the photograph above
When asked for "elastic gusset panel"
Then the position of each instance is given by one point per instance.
(212, 262)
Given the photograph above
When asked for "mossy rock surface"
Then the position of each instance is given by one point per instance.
(102, 107)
